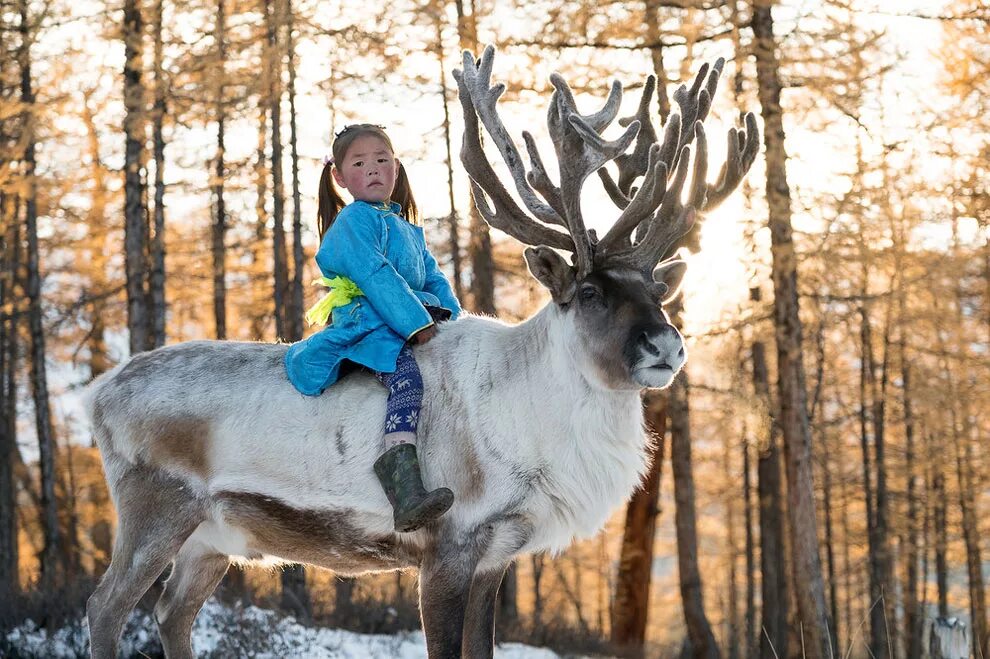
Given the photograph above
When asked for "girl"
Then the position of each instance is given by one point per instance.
(386, 292)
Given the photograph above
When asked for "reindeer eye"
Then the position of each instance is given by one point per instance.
(589, 293)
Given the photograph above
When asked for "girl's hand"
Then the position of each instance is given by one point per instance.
(425, 335)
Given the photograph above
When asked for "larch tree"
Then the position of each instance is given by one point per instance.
(135, 207)
(156, 276)
(792, 394)
(218, 231)
(39, 377)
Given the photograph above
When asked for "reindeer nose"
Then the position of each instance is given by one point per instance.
(647, 345)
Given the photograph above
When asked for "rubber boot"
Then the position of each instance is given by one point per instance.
(398, 471)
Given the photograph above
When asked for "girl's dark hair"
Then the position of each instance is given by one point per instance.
(331, 201)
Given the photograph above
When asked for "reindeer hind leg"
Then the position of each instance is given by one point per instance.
(156, 513)
(195, 575)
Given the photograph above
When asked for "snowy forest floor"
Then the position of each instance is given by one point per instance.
(223, 631)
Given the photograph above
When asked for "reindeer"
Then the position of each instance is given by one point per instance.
(212, 456)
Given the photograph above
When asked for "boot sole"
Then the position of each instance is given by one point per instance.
(428, 511)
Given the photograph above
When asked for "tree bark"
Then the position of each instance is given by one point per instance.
(878, 633)
(452, 218)
(689, 575)
(971, 537)
(632, 583)
(812, 621)
(260, 309)
(39, 379)
(295, 320)
(273, 26)
(941, 542)
(219, 232)
(480, 242)
(833, 595)
(99, 360)
(156, 281)
(9, 265)
(135, 213)
(732, 623)
(913, 618)
(773, 588)
(751, 641)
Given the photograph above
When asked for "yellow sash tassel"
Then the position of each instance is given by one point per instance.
(342, 291)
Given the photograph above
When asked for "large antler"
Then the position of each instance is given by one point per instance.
(580, 151)
(656, 207)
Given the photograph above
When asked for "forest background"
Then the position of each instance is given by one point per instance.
(159, 163)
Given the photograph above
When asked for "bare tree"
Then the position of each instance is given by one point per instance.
(135, 212)
(39, 378)
(295, 320)
(274, 19)
(810, 590)
(219, 227)
(156, 281)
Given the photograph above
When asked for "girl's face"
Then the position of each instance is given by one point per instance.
(368, 170)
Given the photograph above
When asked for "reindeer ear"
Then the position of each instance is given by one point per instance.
(551, 270)
(671, 275)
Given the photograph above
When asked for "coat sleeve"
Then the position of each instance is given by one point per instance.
(437, 284)
(354, 248)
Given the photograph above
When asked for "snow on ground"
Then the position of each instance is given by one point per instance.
(224, 632)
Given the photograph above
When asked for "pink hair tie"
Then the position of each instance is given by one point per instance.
(327, 160)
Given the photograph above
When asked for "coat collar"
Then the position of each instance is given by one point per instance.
(383, 206)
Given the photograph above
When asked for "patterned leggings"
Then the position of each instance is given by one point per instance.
(405, 394)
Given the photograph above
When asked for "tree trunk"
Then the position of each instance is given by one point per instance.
(295, 595)
(9, 265)
(878, 635)
(135, 213)
(295, 320)
(480, 242)
(452, 218)
(99, 360)
(689, 575)
(632, 581)
(971, 537)
(812, 618)
(538, 563)
(913, 617)
(260, 303)
(273, 25)
(157, 276)
(39, 379)
(751, 641)
(941, 542)
(732, 623)
(833, 596)
(219, 231)
(773, 593)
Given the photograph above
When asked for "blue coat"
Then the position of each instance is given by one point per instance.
(387, 258)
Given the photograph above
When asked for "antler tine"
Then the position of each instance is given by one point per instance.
(580, 151)
(671, 226)
(743, 147)
(671, 221)
(694, 103)
(642, 206)
(539, 178)
(484, 97)
(506, 216)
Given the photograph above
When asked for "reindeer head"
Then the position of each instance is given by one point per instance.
(612, 293)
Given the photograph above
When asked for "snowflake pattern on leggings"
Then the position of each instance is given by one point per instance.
(405, 393)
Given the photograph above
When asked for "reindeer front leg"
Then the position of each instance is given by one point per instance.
(479, 620)
(444, 589)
